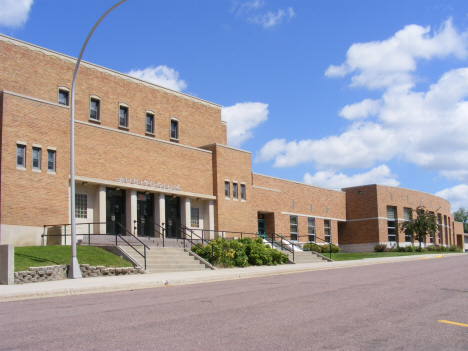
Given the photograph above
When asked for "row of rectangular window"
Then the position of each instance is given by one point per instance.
(235, 190)
(293, 228)
(94, 114)
(36, 157)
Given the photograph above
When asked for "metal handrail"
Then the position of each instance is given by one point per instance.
(316, 237)
(154, 229)
(89, 235)
(272, 236)
(192, 233)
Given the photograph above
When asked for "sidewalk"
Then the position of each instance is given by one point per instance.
(143, 281)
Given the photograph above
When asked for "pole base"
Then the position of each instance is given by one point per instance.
(74, 272)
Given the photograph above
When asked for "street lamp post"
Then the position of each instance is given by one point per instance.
(74, 272)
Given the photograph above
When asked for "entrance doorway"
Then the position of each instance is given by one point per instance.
(145, 219)
(173, 217)
(261, 224)
(115, 211)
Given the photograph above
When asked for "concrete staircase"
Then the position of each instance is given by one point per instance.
(165, 259)
(305, 257)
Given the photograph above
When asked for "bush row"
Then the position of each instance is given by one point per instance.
(411, 248)
(321, 248)
(240, 253)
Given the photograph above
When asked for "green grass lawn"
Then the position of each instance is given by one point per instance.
(37, 256)
(361, 255)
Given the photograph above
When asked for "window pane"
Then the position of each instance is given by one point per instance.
(81, 206)
(174, 129)
(94, 109)
(123, 116)
(51, 160)
(63, 97)
(226, 189)
(36, 161)
(149, 123)
(243, 191)
(234, 190)
(195, 217)
(20, 155)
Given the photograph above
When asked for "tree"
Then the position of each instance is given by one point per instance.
(423, 225)
(461, 216)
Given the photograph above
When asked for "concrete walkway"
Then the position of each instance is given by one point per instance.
(143, 281)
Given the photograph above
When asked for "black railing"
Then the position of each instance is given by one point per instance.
(161, 233)
(308, 241)
(225, 234)
(187, 234)
(89, 234)
(276, 239)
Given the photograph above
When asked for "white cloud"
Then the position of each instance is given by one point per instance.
(241, 118)
(161, 75)
(381, 64)
(457, 196)
(361, 109)
(428, 128)
(272, 19)
(328, 179)
(246, 6)
(14, 13)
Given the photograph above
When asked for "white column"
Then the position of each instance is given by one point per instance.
(211, 218)
(100, 210)
(161, 219)
(185, 213)
(131, 209)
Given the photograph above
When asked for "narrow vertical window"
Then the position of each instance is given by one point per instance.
(123, 116)
(174, 129)
(311, 229)
(293, 227)
(439, 227)
(63, 97)
(227, 193)
(293, 205)
(242, 191)
(391, 223)
(21, 155)
(408, 213)
(234, 191)
(51, 162)
(327, 230)
(94, 109)
(81, 206)
(36, 158)
(149, 123)
(195, 217)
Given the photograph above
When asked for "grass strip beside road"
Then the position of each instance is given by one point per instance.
(37, 256)
(361, 255)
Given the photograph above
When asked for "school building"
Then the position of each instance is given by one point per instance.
(149, 158)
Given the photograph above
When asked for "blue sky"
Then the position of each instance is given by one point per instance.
(331, 93)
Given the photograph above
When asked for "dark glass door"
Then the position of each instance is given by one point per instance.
(261, 224)
(115, 211)
(145, 220)
(173, 217)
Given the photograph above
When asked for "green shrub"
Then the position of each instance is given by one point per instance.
(409, 248)
(380, 248)
(432, 248)
(312, 247)
(454, 248)
(240, 253)
(334, 248)
(400, 249)
(420, 249)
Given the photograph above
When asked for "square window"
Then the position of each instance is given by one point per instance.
(227, 190)
(149, 123)
(174, 129)
(81, 206)
(123, 116)
(94, 107)
(63, 97)
(242, 191)
(195, 217)
(51, 160)
(36, 158)
(21, 155)
(234, 190)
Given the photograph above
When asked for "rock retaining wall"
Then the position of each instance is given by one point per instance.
(49, 273)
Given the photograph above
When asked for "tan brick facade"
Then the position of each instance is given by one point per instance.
(190, 170)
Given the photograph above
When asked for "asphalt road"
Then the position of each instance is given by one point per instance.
(393, 306)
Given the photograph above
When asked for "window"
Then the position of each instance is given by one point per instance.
(431, 236)
(439, 226)
(242, 191)
(94, 107)
(81, 206)
(149, 123)
(51, 160)
(21, 155)
(174, 129)
(36, 158)
(391, 223)
(123, 116)
(63, 97)
(408, 212)
(327, 230)
(227, 190)
(293, 227)
(195, 217)
(234, 191)
(311, 227)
